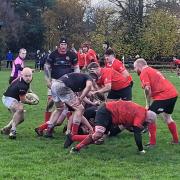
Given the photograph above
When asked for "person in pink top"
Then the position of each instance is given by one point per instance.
(18, 65)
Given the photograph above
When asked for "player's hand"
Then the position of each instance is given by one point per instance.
(91, 131)
(94, 92)
(142, 152)
(96, 103)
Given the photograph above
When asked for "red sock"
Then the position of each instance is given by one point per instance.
(43, 126)
(173, 129)
(152, 133)
(88, 140)
(47, 116)
(75, 128)
(79, 138)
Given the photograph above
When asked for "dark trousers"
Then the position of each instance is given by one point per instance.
(9, 63)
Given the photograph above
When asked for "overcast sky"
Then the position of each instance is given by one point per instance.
(99, 2)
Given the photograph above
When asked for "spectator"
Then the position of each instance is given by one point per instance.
(9, 58)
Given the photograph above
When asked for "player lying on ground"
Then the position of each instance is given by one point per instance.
(126, 113)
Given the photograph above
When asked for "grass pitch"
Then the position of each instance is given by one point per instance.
(31, 157)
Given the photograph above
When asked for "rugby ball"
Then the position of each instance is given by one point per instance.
(33, 98)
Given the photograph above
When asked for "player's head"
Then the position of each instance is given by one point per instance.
(150, 116)
(109, 55)
(139, 64)
(85, 47)
(22, 53)
(27, 75)
(106, 45)
(94, 68)
(63, 44)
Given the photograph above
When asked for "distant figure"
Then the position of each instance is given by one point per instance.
(37, 59)
(177, 64)
(18, 65)
(9, 58)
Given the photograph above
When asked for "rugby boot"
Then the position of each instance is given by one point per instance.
(12, 134)
(49, 132)
(38, 132)
(68, 141)
(74, 150)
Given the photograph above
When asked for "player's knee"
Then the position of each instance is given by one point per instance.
(20, 109)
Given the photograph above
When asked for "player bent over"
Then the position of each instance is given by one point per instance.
(64, 91)
(13, 99)
(120, 112)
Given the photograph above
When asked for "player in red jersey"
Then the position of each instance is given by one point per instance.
(90, 54)
(160, 95)
(177, 64)
(81, 59)
(116, 64)
(126, 113)
(111, 81)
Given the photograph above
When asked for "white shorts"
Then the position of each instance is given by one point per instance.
(62, 93)
(49, 93)
(9, 101)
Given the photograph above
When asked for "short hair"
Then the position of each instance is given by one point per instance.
(109, 52)
(93, 65)
(22, 49)
(141, 61)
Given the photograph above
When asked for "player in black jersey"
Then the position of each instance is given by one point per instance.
(13, 99)
(65, 91)
(60, 62)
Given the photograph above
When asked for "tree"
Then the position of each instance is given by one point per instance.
(160, 36)
(30, 12)
(10, 26)
(66, 21)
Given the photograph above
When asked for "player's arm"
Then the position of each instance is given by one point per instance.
(18, 67)
(74, 61)
(125, 73)
(86, 89)
(106, 88)
(47, 73)
(147, 92)
(76, 68)
(138, 138)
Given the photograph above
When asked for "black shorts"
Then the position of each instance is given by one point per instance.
(124, 94)
(90, 112)
(167, 106)
(103, 117)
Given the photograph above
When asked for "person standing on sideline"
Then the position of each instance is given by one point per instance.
(18, 65)
(161, 97)
(9, 58)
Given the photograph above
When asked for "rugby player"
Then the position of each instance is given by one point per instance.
(161, 97)
(126, 113)
(14, 98)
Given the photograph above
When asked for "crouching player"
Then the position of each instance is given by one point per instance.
(120, 112)
(13, 98)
